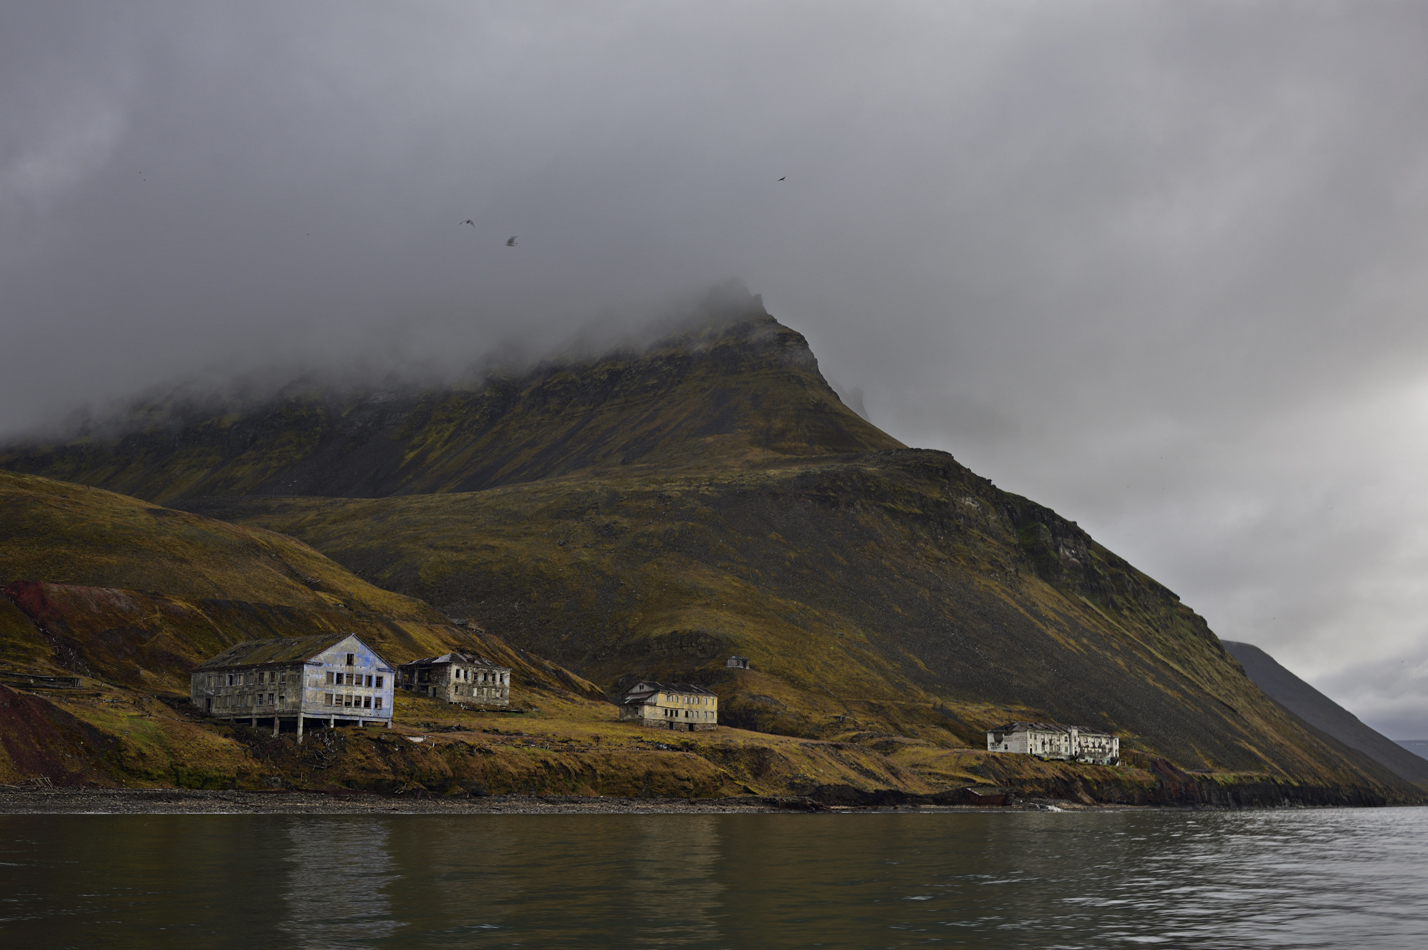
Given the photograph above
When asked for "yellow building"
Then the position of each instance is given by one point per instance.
(677, 706)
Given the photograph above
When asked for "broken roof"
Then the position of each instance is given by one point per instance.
(467, 658)
(277, 650)
(646, 688)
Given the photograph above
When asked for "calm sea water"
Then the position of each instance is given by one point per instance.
(1322, 878)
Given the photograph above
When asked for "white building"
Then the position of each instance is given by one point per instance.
(335, 677)
(1050, 740)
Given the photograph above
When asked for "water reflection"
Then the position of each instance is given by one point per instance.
(1330, 878)
(669, 877)
(455, 882)
(337, 870)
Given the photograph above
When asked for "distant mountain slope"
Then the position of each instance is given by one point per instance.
(895, 595)
(113, 587)
(1323, 713)
(1418, 747)
(724, 395)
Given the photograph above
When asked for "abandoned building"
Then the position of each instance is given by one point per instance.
(334, 677)
(677, 706)
(1049, 740)
(737, 663)
(457, 678)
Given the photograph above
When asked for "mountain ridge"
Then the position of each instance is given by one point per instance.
(645, 514)
(1323, 713)
(669, 407)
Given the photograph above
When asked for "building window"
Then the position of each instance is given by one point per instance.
(351, 659)
(367, 702)
(369, 680)
(379, 682)
(378, 703)
(327, 699)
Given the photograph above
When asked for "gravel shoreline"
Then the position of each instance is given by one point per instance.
(169, 801)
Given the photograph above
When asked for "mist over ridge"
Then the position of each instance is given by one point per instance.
(367, 370)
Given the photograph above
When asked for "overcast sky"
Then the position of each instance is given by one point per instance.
(1160, 266)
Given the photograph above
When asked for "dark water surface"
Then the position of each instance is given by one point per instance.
(1320, 878)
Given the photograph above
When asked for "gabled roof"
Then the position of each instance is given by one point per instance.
(468, 658)
(276, 650)
(647, 688)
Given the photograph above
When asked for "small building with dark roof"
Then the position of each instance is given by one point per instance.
(458, 678)
(681, 707)
(737, 663)
(333, 677)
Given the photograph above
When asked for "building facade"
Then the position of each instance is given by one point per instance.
(1050, 740)
(677, 706)
(737, 663)
(458, 678)
(335, 678)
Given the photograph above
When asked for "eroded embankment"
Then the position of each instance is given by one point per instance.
(117, 739)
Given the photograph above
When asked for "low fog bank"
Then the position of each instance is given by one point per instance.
(397, 356)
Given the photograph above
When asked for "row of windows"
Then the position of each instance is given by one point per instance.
(479, 691)
(687, 699)
(354, 679)
(245, 679)
(688, 713)
(460, 673)
(250, 699)
(354, 702)
(260, 677)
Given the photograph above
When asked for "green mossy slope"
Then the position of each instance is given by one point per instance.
(898, 594)
(111, 587)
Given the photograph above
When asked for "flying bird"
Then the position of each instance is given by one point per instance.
(781, 179)
(470, 222)
(511, 241)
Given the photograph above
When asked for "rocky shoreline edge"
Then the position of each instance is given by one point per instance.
(167, 801)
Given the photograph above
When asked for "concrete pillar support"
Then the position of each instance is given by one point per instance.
(299, 728)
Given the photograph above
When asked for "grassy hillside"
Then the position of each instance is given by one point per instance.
(895, 595)
(117, 589)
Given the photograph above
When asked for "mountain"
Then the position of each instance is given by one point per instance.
(1323, 713)
(736, 391)
(647, 514)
